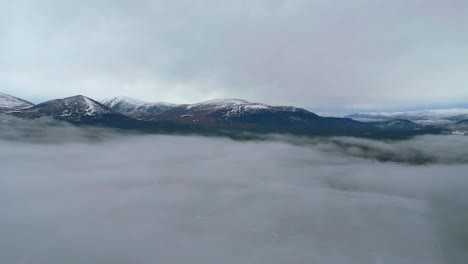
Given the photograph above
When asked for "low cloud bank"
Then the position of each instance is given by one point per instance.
(445, 149)
(169, 199)
(428, 149)
(48, 130)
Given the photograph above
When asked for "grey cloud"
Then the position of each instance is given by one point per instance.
(169, 199)
(447, 149)
(420, 150)
(322, 54)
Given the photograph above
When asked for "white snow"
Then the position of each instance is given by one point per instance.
(246, 108)
(215, 104)
(218, 103)
(82, 105)
(93, 108)
(11, 102)
(255, 106)
(128, 104)
(234, 107)
(111, 102)
(228, 101)
(128, 101)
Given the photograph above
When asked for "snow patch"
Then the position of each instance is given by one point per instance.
(112, 102)
(14, 103)
(218, 103)
(245, 109)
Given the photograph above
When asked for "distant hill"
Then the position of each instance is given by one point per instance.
(428, 117)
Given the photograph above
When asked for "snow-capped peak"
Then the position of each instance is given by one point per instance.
(128, 101)
(78, 105)
(94, 107)
(218, 103)
(227, 101)
(111, 102)
(13, 103)
(132, 102)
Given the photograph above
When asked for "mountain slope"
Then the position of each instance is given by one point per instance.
(73, 108)
(241, 115)
(228, 117)
(208, 112)
(11, 103)
(79, 110)
(135, 108)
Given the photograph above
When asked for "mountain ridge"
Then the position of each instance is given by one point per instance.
(11, 103)
(221, 116)
(434, 116)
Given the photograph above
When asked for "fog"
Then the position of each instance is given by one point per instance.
(73, 195)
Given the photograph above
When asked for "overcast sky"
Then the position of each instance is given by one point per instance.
(319, 54)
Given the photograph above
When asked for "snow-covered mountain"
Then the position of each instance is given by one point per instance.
(223, 116)
(134, 108)
(75, 106)
(213, 110)
(74, 109)
(11, 103)
(244, 115)
(432, 117)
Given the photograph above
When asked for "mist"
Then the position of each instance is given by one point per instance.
(77, 195)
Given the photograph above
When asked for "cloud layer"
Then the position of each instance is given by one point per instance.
(168, 199)
(318, 54)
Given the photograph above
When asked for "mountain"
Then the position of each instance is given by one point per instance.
(238, 114)
(433, 117)
(135, 108)
(220, 110)
(78, 110)
(11, 103)
(227, 117)
(75, 108)
(81, 110)
(220, 113)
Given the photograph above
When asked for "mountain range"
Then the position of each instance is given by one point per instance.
(11, 103)
(428, 117)
(223, 116)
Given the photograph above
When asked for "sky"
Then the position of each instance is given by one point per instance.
(320, 54)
